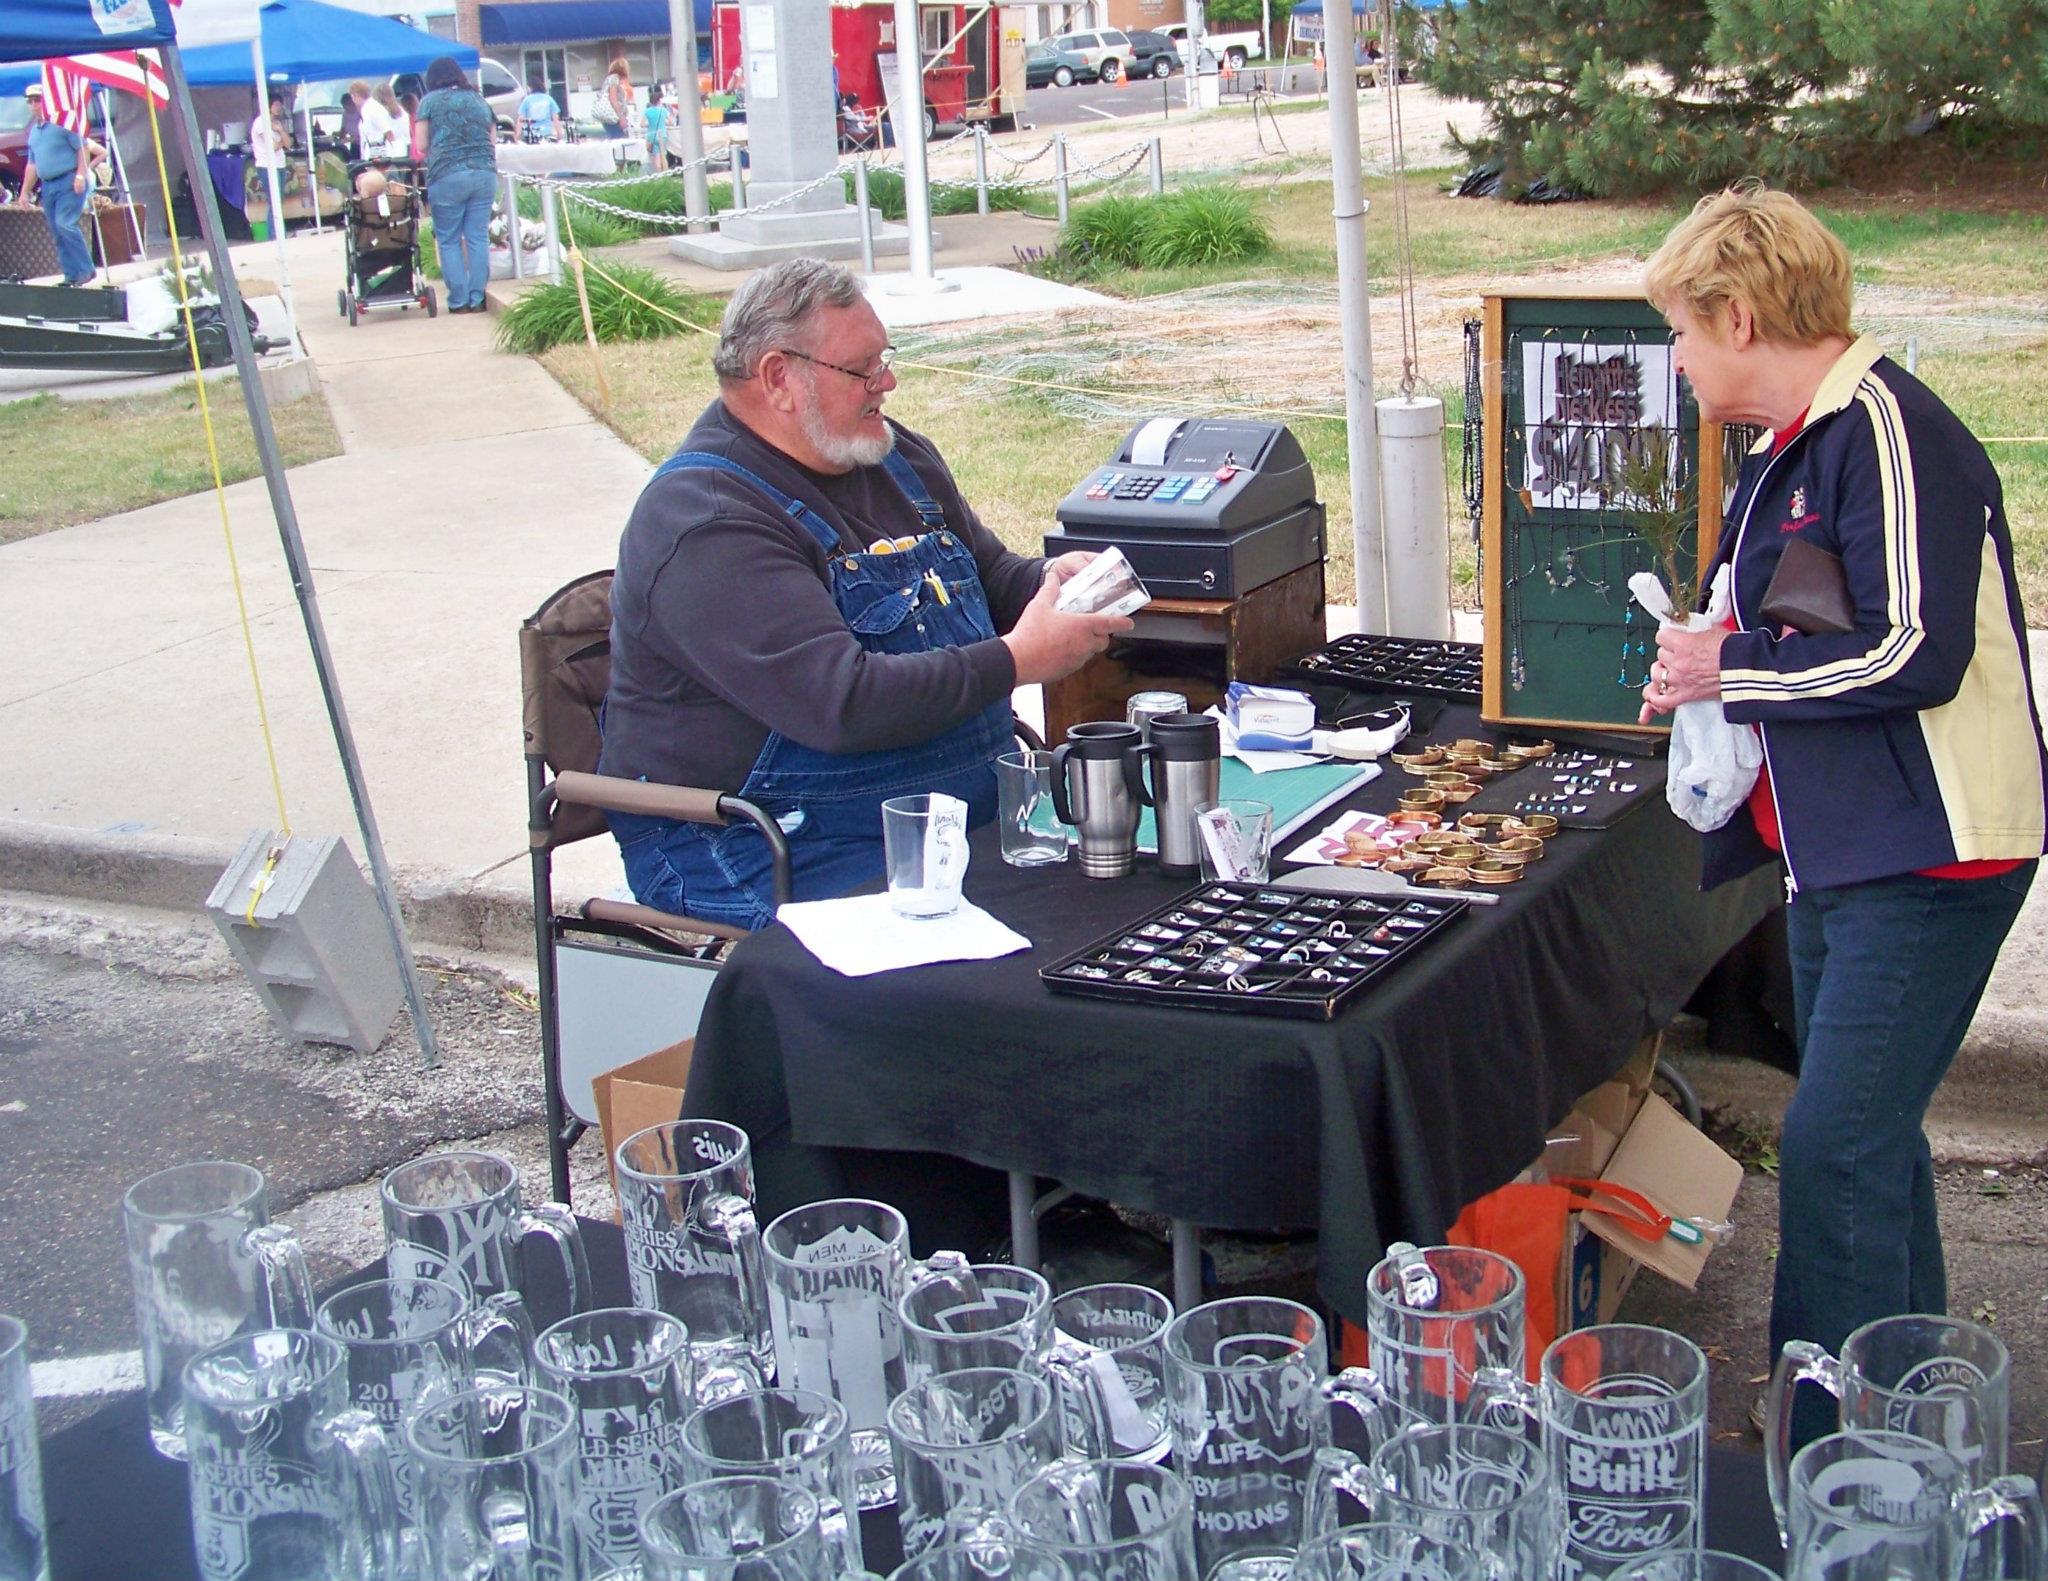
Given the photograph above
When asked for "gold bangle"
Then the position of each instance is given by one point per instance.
(1458, 795)
(1417, 818)
(1427, 757)
(1425, 800)
(1446, 877)
(1441, 779)
(1541, 824)
(1520, 848)
(1474, 822)
(1404, 865)
(1494, 871)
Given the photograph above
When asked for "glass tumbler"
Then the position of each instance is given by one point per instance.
(497, 1478)
(207, 1264)
(24, 1541)
(626, 1375)
(924, 843)
(288, 1482)
(796, 1435)
(1236, 840)
(693, 1247)
(1032, 832)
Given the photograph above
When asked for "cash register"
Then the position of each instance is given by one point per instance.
(1202, 507)
(1219, 518)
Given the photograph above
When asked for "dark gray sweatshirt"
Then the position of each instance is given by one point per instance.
(723, 625)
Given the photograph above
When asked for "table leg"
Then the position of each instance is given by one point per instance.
(1023, 1221)
(1187, 1265)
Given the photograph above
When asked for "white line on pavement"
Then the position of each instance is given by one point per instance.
(68, 1377)
(1107, 115)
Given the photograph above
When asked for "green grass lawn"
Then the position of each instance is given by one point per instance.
(89, 459)
(999, 438)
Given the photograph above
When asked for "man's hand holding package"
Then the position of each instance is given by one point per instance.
(1048, 644)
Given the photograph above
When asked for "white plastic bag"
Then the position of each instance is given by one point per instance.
(1713, 764)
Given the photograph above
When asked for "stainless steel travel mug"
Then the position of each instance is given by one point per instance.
(1098, 786)
(1186, 753)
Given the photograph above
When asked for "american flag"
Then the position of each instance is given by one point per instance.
(68, 84)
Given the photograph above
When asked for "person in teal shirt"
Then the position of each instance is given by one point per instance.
(540, 118)
(462, 175)
(58, 162)
(657, 118)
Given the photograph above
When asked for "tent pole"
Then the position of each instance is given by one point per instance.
(122, 190)
(276, 188)
(312, 163)
(187, 124)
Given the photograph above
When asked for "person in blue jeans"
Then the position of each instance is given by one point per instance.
(59, 162)
(1903, 787)
(462, 176)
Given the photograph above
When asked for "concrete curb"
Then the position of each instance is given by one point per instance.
(174, 872)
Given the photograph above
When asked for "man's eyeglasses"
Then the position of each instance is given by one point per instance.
(872, 380)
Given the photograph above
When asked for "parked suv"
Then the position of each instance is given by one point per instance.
(1107, 50)
(1153, 55)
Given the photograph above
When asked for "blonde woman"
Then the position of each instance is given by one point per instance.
(614, 101)
(377, 133)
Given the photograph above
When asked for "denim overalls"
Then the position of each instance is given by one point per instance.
(829, 804)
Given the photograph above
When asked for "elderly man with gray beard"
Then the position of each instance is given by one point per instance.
(806, 613)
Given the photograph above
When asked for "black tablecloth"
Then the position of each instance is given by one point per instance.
(118, 1511)
(1435, 1087)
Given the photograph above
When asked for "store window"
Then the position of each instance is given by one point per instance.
(935, 24)
(553, 66)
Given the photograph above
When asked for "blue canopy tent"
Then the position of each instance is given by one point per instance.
(42, 29)
(307, 41)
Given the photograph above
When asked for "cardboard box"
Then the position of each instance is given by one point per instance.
(647, 1091)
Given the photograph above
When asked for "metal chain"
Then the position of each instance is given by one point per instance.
(1007, 157)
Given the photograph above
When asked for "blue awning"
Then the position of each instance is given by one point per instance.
(35, 29)
(309, 41)
(569, 21)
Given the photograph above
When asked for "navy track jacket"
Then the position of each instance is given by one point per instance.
(1912, 741)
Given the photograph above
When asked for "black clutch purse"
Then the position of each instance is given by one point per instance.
(1808, 592)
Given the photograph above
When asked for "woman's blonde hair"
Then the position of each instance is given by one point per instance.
(1764, 249)
(383, 95)
(619, 69)
(359, 90)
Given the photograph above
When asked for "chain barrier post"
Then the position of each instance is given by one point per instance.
(551, 223)
(867, 225)
(511, 229)
(1157, 159)
(981, 170)
(1059, 172)
(739, 177)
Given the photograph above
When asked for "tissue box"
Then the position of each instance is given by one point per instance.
(1270, 718)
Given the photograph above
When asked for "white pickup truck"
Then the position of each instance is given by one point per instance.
(1237, 48)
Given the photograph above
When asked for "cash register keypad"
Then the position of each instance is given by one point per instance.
(1162, 488)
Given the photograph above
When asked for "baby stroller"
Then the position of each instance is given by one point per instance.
(381, 242)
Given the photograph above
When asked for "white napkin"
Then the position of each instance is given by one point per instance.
(863, 934)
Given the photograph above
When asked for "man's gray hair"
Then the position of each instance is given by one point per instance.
(773, 307)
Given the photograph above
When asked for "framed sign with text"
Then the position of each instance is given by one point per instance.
(1583, 410)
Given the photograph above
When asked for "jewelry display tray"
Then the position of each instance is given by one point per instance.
(1353, 939)
(1604, 808)
(1421, 665)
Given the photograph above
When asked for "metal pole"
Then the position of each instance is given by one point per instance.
(917, 192)
(1157, 160)
(1354, 296)
(511, 186)
(867, 223)
(284, 268)
(312, 171)
(187, 126)
(551, 223)
(1059, 173)
(739, 176)
(682, 31)
(981, 170)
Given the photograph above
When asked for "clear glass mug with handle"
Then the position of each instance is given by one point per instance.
(1108, 1361)
(24, 1536)
(1110, 1520)
(207, 1264)
(626, 1374)
(1622, 1412)
(924, 843)
(985, 1559)
(745, 1528)
(1485, 1489)
(957, 1314)
(836, 1273)
(964, 1443)
(288, 1481)
(693, 1246)
(458, 1216)
(409, 1341)
(1882, 1506)
(1032, 833)
(1249, 1397)
(1383, 1551)
(795, 1435)
(497, 1481)
(1939, 1378)
(1437, 1316)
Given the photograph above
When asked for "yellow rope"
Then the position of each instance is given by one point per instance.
(262, 880)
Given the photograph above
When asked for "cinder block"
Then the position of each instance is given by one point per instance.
(314, 946)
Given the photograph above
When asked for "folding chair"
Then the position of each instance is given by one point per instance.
(616, 981)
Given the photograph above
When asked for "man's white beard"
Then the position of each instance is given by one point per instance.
(857, 451)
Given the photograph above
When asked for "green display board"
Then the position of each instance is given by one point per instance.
(1574, 386)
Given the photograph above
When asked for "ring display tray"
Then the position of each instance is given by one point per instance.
(1420, 665)
(1254, 949)
(1580, 789)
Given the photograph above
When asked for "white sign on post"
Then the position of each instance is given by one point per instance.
(1585, 406)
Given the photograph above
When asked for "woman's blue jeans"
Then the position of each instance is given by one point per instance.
(1886, 976)
(461, 205)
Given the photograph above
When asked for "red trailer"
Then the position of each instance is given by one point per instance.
(973, 75)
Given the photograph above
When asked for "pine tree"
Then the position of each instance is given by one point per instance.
(1627, 96)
